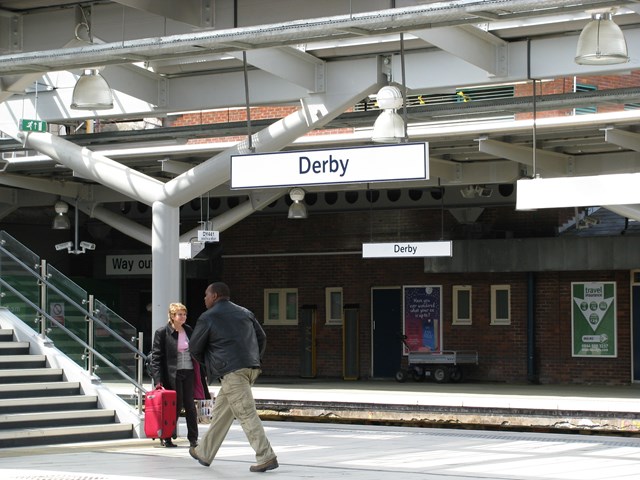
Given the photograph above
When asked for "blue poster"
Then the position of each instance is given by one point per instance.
(423, 318)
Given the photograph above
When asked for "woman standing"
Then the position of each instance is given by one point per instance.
(173, 368)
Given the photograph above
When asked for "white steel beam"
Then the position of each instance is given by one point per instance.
(194, 12)
(119, 222)
(437, 70)
(363, 79)
(94, 166)
(289, 64)
(629, 211)
(540, 160)
(471, 44)
(48, 185)
(623, 138)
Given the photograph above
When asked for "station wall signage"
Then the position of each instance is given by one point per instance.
(407, 249)
(368, 164)
(128, 265)
(613, 189)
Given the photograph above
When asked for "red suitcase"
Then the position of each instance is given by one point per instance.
(160, 413)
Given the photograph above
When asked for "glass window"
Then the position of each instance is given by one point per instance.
(333, 305)
(461, 305)
(273, 306)
(292, 306)
(500, 304)
(281, 306)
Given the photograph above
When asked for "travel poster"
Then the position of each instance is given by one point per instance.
(423, 318)
(593, 319)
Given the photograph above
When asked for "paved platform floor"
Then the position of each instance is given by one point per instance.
(339, 452)
(356, 452)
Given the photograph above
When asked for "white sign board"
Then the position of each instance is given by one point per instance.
(208, 236)
(614, 189)
(407, 249)
(376, 163)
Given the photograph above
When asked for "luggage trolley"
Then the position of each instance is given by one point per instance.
(442, 366)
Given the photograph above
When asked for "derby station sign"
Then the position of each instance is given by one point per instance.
(377, 163)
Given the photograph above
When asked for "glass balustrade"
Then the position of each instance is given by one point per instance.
(18, 270)
(69, 325)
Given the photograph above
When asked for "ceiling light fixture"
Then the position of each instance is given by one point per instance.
(92, 92)
(61, 220)
(297, 209)
(389, 126)
(601, 42)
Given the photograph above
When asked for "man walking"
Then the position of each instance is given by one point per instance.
(230, 342)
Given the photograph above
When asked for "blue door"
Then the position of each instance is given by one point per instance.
(386, 316)
(635, 322)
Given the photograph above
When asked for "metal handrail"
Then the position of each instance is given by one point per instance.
(42, 280)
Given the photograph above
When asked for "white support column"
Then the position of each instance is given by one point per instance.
(165, 267)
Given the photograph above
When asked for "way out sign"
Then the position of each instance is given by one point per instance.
(27, 125)
(368, 164)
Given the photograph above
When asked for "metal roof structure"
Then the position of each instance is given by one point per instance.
(160, 59)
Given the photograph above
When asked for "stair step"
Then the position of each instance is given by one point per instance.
(6, 335)
(23, 390)
(14, 348)
(28, 375)
(18, 361)
(57, 418)
(48, 404)
(21, 437)
(38, 406)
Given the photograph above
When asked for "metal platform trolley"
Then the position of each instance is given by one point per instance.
(443, 366)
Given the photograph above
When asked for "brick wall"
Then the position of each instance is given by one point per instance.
(301, 257)
(566, 85)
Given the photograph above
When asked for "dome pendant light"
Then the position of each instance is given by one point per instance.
(389, 126)
(601, 42)
(92, 92)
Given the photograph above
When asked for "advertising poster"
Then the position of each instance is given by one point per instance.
(593, 319)
(423, 318)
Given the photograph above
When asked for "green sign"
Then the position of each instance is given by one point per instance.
(593, 314)
(33, 125)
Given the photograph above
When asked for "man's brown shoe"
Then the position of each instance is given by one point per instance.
(192, 452)
(263, 467)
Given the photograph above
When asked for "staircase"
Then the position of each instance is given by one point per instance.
(39, 406)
